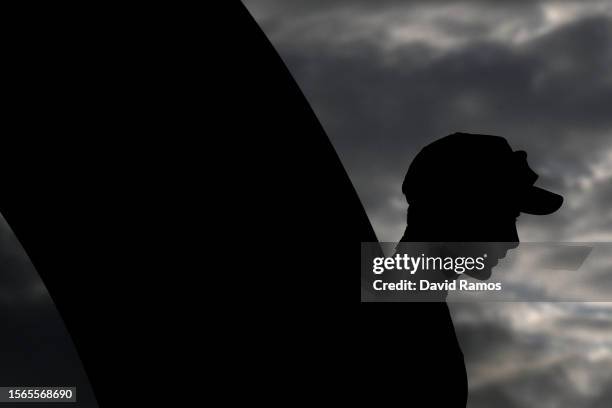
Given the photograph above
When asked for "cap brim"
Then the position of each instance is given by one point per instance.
(538, 201)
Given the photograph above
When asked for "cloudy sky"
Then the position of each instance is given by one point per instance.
(387, 77)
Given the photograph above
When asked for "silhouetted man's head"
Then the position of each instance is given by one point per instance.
(469, 187)
(472, 188)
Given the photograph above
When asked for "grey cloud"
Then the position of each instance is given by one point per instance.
(588, 323)
(537, 354)
(441, 23)
(380, 108)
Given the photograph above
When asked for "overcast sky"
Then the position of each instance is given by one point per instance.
(386, 78)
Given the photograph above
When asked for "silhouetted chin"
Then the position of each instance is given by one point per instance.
(495, 251)
(485, 274)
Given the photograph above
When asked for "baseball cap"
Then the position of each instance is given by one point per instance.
(474, 169)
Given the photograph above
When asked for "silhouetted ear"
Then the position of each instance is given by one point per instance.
(538, 201)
